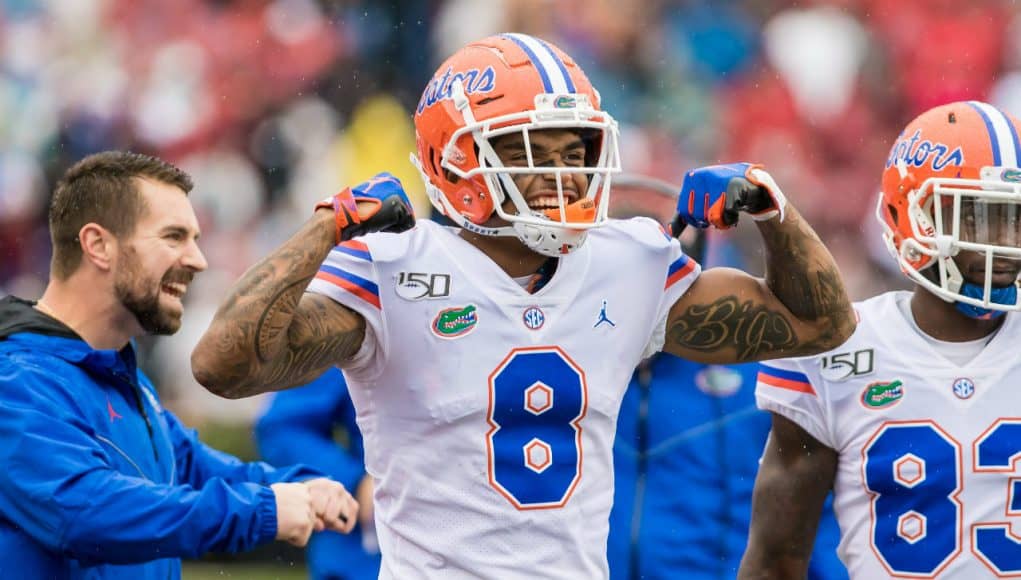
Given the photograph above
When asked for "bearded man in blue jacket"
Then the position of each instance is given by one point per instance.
(98, 480)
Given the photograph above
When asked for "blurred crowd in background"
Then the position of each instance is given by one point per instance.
(273, 104)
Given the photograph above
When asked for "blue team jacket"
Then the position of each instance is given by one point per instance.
(298, 427)
(689, 438)
(97, 480)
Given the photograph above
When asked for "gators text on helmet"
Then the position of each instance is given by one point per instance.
(512, 83)
(952, 184)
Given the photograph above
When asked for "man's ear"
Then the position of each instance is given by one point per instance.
(99, 245)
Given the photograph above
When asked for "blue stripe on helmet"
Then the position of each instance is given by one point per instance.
(546, 84)
(994, 136)
(560, 65)
(1013, 135)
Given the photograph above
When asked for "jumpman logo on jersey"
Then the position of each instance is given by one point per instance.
(603, 318)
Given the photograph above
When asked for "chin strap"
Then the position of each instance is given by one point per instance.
(1006, 295)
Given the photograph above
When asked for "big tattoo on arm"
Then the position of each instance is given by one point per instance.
(269, 335)
(800, 308)
(730, 323)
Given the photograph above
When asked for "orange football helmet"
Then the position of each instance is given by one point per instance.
(505, 84)
(952, 184)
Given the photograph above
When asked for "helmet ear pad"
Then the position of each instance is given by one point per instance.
(467, 195)
(896, 210)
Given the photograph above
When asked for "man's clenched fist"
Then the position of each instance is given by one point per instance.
(377, 205)
(313, 505)
(295, 517)
(333, 505)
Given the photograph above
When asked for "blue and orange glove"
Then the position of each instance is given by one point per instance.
(388, 208)
(715, 196)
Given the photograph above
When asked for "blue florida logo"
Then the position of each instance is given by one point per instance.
(442, 86)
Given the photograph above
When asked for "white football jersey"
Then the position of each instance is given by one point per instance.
(488, 412)
(926, 484)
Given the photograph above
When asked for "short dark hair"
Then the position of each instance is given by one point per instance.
(102, 189)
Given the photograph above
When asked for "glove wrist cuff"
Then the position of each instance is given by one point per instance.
(759, 177)
(345, 212)
(378, 205)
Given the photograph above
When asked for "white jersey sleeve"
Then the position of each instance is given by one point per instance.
(680, 274)
(788, 387)
(349, 277)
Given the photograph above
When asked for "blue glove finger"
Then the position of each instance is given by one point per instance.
(702, 189)
(695, 210)
(691, 205)
(381, 186)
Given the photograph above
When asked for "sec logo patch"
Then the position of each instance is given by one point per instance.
(533, 317)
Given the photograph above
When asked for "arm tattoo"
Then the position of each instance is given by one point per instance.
(270, 326)
(801, 273)
(260, 339)
(324, 333)
(747, 327)
(264, 301)
(298, 365)
(804, 311)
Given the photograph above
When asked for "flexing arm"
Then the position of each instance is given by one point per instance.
(268, 334)
(800, 308)
(796, 473)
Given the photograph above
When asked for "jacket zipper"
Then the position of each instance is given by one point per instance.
(145, 415)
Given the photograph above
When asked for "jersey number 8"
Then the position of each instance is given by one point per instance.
(537, 399)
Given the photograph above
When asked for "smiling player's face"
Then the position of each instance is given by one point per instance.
(549, 148)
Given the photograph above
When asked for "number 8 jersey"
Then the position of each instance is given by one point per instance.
(926, 482)
(489, 412)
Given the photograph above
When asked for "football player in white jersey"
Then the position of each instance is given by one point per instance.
(487, 361)
(915, 422)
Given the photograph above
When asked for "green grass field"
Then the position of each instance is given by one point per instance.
(276, 561)
(243, 571)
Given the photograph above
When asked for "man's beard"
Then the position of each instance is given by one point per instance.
(142, 298)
